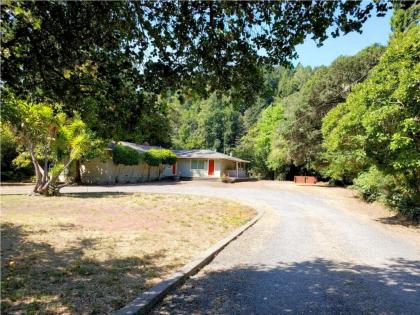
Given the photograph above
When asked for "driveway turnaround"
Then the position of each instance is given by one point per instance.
(305, 255)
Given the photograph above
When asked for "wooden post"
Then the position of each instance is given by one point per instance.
(237, 170)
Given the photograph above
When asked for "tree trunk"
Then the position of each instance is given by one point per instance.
(38, 171)
(47, 186)
(51, 183)
(78, 176)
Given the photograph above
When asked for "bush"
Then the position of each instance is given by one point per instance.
(152, 157)
(125, 155)
(407, 204)
(374, 185)
(371, 185)
(12, 165)
(155, 157)
(168, 157)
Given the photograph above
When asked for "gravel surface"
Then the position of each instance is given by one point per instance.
(306, 255)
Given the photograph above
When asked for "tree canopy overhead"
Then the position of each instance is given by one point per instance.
(66, 49)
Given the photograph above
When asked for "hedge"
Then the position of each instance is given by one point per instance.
(125, 155)
(155, 157)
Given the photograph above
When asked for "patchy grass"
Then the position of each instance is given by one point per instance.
(93, 253)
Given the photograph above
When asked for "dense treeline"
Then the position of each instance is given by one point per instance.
(289, 139)
(353, 122)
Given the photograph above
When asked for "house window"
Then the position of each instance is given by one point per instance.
(197, 164)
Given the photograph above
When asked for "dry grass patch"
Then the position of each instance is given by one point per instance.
(92, 253)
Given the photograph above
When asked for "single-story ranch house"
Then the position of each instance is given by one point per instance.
(190, 164)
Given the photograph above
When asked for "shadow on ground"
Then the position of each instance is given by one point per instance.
(38, 279)
(97, 194)
(399, 220)
(318, 286)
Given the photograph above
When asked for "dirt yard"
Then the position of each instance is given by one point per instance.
(93, 253)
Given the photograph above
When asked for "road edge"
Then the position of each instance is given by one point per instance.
(145, 302)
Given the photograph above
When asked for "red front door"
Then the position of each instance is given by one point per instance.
(174, 169)
(211, 167)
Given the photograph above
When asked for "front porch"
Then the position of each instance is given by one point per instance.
(237, 174)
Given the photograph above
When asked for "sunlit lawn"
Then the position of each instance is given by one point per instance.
(92, 253)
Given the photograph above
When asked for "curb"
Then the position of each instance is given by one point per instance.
(148, 299)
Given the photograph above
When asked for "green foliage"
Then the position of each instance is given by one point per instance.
(344, 151)
(257, 144)
(168, 157)
(125, 155)
(375, 185)
(14, 165)
(378, 124)
(402, 19)
(378, 121)
(300, 136)
(372, 184)
(406, 201)
(56, 169)
(156, 157)
(211, 123)
(292, 80)
(152, 157)
(305, 96)
(49, 136)
(113, 39)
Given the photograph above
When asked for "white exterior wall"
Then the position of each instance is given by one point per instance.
(217, 168)
(167, 171)
(200, 172)
(98, 172)
(184, 167)
(220, 167)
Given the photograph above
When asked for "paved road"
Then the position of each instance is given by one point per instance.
(303, 256)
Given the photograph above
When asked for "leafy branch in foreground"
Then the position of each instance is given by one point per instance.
(119, 46)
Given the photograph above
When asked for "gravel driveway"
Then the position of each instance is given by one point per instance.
(304, 256)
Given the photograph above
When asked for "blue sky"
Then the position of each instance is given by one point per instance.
(375, 30)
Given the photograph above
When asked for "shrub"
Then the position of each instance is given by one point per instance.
(168, 157)
(374, 185)
(225, 179)
(125, 155)
(407, 203)
(371, 185)
(15, 165)
(155, 157)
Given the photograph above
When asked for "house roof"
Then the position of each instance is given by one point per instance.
(138, 147)
(187, 154)
(205, 154)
